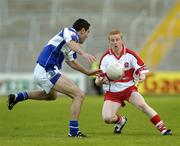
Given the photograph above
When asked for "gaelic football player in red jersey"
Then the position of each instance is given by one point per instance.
(124, 89)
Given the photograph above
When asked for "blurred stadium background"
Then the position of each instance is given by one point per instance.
(150, 27)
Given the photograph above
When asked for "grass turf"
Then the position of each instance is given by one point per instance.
(35, 123)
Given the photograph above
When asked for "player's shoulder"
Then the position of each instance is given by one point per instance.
(105, 55)
(69, 34)
(135, 56)
(71, 29)
(132, 52)
(68, 30)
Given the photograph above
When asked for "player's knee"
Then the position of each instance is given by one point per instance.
(51, 96)
(107, 119)
(79, 95)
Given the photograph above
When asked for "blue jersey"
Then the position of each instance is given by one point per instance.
(56, 50)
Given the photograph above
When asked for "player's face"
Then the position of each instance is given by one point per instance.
(83, 35)
(115, 41)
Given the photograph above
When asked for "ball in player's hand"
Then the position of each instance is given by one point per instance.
(115, 71)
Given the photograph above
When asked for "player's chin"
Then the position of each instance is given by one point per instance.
(81, 41)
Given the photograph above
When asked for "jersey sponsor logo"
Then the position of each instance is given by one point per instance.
(126, 65)
(51, 74)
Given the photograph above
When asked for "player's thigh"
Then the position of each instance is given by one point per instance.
(66, 86)
(137, 99)
(110, 108)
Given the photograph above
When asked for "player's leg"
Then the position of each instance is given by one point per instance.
(35, 95)
(43, 79)
(138, 101)
(109, 111)
(110, 116)
(68, 87)
(42, 95)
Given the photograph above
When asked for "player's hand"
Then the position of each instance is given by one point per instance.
(90, 58)
(94, 72)
(101, 80)
(142, 77)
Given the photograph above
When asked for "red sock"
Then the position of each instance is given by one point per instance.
(156, 120)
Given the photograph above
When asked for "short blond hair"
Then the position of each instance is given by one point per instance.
(114, 32)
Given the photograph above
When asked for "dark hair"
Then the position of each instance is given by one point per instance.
(81, 23)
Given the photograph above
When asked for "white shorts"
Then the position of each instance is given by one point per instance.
(46, 80)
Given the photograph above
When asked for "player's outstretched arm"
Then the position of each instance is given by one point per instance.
(76, 47)
(77, 66)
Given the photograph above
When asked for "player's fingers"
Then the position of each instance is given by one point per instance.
(98, 72)
(91, 58)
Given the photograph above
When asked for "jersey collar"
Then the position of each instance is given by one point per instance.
(122, 52)
(73, 30)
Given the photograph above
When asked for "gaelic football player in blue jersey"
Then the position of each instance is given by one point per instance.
(63, 46)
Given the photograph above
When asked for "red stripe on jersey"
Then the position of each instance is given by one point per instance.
(139, 61)
(107, 52)
(140, 69)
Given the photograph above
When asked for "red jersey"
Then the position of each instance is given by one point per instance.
(133, 66)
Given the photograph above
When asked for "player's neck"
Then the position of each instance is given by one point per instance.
(117, 51)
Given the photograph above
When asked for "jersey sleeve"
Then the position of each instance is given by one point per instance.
(70, 56)
(69, 35)
(138, 65)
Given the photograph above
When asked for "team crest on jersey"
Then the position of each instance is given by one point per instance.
(126, 64)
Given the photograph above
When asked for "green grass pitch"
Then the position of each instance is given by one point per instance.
(35, 123)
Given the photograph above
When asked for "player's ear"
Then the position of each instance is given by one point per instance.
(82, 30)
